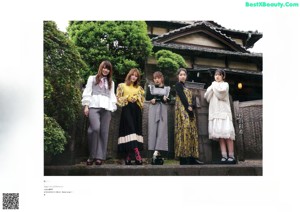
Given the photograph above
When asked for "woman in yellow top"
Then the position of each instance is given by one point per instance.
(130, 96)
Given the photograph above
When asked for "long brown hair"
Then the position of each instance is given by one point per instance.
(130, 73)
(105, 64)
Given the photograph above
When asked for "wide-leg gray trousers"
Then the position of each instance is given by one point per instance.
(98, 132)
(158, 127)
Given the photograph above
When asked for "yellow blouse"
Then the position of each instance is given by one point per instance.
(125, 93)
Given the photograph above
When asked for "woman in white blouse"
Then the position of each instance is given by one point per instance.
(99, 101)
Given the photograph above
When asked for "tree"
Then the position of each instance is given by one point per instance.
(62, 94)
(125, 43)
(169, 62)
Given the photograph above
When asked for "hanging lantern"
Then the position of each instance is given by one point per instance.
(240, 85)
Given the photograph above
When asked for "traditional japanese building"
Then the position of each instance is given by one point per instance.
(205, 46)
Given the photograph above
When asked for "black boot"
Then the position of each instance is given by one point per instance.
(183, 161)
(158, 160)
(195, 161)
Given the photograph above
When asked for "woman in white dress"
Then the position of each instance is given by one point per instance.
(220, 126)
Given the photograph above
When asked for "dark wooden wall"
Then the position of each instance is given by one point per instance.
(247, 118)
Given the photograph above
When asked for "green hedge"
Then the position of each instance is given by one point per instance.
(54, 136)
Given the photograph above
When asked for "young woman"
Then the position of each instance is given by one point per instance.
(186, 133)
(99, 101)
(158, 95)
(220, 126)
(130, 96)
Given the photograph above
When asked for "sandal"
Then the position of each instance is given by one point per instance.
(128, 159)
(138, 162)
(89, 162)
(128, 162)
(98, 162)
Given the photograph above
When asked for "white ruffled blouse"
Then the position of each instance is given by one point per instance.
(99, 101)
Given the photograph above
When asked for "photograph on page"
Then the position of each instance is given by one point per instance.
(152, 98)
(171, 106)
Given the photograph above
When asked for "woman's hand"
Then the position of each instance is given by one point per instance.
(153, 101)
(86, 111)
(190, 108)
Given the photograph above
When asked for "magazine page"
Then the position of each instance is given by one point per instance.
(127, 105)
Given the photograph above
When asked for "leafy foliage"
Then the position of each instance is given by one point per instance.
(62, 78)
(125, 43)
(54, 136)
(62, 68)
(169, 62)
(48, 89)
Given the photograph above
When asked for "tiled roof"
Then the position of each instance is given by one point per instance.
(205, 49)
(220, 27)
(201, 24)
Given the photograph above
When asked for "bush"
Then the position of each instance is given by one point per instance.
(169, 62)
(54, 136)
(167, 65)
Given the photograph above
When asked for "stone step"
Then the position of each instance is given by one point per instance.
(244, 168)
